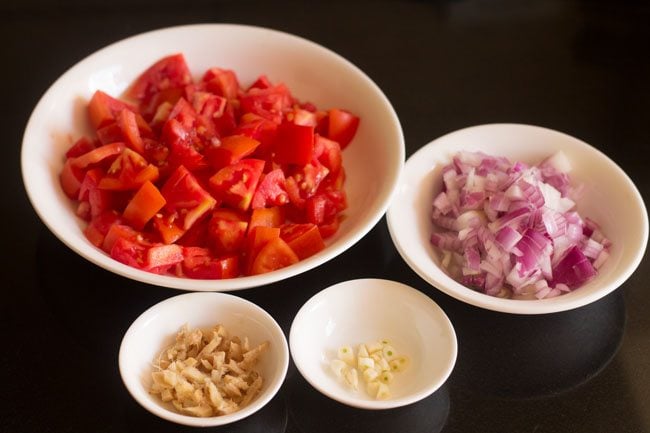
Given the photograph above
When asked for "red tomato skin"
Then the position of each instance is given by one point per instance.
(276, 254)
(294, 144)
(81, 146)
(342, 126)
(227, 230)
(71, 178)
(161, 257)
(304, 239)
(167, 73)
(103, 108)
(146, 202)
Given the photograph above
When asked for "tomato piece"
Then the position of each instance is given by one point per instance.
(267, 217)
(166, 97)
(71, 178)
(103, 109)
(342, 126)
(294, 144)
(99, 226)
(262, 82)
(257, 238)
(166, 226)
(144, 205)
(187, 135)
(235, 184)
(208, 104)
(271, 190)
(276, 254)
(304, 182)
(98, 155)
(99, 200)
(328, 153)
(129, 252)
(197, 234)
(323, 207)
(129, 171)
(199, 263)
(329, 228)
(127, 123)
(270, 103)
(304, 239)
(81, 146)
(226, 123)
(231, 150)
(303, 117)
(185, 196)
(160, 258)
(222, 82)
(227, 230)
(167, 73)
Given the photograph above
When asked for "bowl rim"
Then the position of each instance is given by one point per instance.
(242, 282)
(350, 399)
(514, 306)
(201, 297)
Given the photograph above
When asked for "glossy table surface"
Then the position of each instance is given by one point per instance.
(579, 67)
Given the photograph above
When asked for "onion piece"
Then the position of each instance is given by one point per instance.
(512, 229)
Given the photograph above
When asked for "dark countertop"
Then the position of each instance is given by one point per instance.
(579, 67)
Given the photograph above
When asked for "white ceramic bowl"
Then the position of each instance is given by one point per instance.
(366, 310)
(157, 327)
(312, 72)
(610, 198)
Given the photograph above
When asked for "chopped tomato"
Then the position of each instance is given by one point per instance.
(184, 195)
(267, 217)
(230, 150)
(222, 82)
(129, 252)
(274, 255)
(342, 126)
(257, 238)
(304, 239)
(71, 178)
(271, 190)
(81, 146)
(117, 231)
(160, 258)
(325, 206)
(103, 109)
(328, 153)
(199, 263)
(167, 227)
(98, 155)
(227, 230)
(99, 201)
(208, 179)
(294, 144)
(270, 103)
(329, 228)
(235, 184)
(127, 123)
(99, 226)
(144, 205)
(167, 73)
(129, 171)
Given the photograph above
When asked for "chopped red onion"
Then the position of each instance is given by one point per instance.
(512, 230)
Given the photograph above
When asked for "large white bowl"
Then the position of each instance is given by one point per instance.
(157, 327)
(610, 198)
(366, 310)
(312, 72)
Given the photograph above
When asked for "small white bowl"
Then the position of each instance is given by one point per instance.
(367, 310)
(312, 73)
(157, 327)
(610, 198)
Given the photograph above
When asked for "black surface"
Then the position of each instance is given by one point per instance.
(579, 67)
